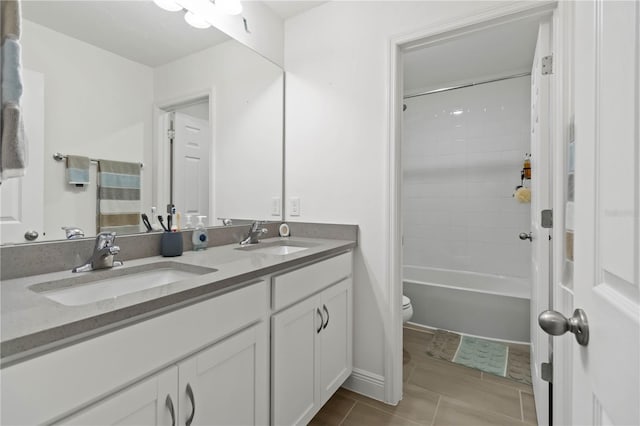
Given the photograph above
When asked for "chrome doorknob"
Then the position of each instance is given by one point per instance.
(30, 235)
(556, 324)
(525, 236)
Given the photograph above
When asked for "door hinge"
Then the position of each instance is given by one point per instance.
(171, 133)
(546, 371)
(546, 218)
(547, 65)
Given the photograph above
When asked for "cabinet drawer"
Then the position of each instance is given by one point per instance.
(296, 285)
(64, 380)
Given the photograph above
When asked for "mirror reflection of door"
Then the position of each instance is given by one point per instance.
(190, 160)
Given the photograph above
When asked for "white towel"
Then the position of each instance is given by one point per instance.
(13, 153)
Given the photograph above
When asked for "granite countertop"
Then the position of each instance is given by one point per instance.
(32, 323)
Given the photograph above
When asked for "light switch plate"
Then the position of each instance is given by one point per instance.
(275, 206)
(295, 206)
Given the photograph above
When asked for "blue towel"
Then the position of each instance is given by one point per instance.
(11, 72)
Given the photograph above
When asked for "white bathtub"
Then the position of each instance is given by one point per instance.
(483, 305)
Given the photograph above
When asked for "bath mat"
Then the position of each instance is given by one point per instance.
(482, 355)
(505, 360)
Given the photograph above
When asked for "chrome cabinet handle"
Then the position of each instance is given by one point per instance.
(556, 324)
(193, 405)
(324, 307)
(169, 403)
(321, 320)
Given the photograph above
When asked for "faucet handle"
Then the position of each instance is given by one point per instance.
(113, 250)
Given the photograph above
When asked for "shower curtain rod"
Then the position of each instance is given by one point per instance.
(462, 86)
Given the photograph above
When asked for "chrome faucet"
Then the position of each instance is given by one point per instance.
(254, 233)
(103, 253)
(73, 232)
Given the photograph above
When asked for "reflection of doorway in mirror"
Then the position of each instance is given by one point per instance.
(190, 160)
(22, 199)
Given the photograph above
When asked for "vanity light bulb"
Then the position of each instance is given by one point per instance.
(196, 21)
(169, 5)
(230, 7)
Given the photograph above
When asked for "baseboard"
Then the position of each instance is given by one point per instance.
(366, 383)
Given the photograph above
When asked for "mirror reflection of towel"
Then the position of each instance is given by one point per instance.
(118, 196)
(78, 170)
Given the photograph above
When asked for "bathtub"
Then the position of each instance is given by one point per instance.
(482, 305)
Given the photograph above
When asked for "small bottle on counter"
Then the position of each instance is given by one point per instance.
(199, 238)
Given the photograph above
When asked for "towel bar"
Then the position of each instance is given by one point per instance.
(59, 157)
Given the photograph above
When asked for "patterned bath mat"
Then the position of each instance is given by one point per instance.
(501, 359)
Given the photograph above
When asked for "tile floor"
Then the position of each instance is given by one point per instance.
(436, 393)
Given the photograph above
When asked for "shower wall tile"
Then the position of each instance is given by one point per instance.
(460, 171)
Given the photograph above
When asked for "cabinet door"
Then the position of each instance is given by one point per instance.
(294, 388)
(149, 402)
(336, 338)
(227, 384)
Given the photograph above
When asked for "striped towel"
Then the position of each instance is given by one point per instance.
(118, 197)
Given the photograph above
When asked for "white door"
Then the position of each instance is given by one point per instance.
(606, 373)
(22, 199)
(294, 388)
(150, 402)
(540, 200)
(335, 338)
(191, 165)
(227, 384)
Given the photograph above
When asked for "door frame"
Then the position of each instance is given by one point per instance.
(161, 159)
(435, 34)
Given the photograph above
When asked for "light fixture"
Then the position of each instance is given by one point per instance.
(230, 7)
(169, 5)
(199, 13)
(196, 21)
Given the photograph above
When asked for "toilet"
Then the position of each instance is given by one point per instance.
(407, 309)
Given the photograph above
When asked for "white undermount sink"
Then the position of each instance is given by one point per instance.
(89, 287)
(278, 248)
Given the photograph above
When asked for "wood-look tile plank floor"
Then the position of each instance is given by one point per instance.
(435, 393)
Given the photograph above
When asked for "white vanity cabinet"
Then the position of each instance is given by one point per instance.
(149, 402)
(225, 384)
(228, 383)
(217, 346)
(311, 338)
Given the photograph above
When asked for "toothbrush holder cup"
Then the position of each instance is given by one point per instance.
(171, 244)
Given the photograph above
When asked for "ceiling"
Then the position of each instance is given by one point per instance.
(137, 30)
(501, 50)
(287, 9)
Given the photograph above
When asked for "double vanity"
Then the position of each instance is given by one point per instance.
(260, 334)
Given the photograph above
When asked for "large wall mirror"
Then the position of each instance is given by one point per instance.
(126, 81)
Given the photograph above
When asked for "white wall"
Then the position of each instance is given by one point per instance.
(459, 175)
(264, 32)
(247, 124)
(97, 104)
(337, 125)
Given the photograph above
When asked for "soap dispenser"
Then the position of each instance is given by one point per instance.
(199, 238)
